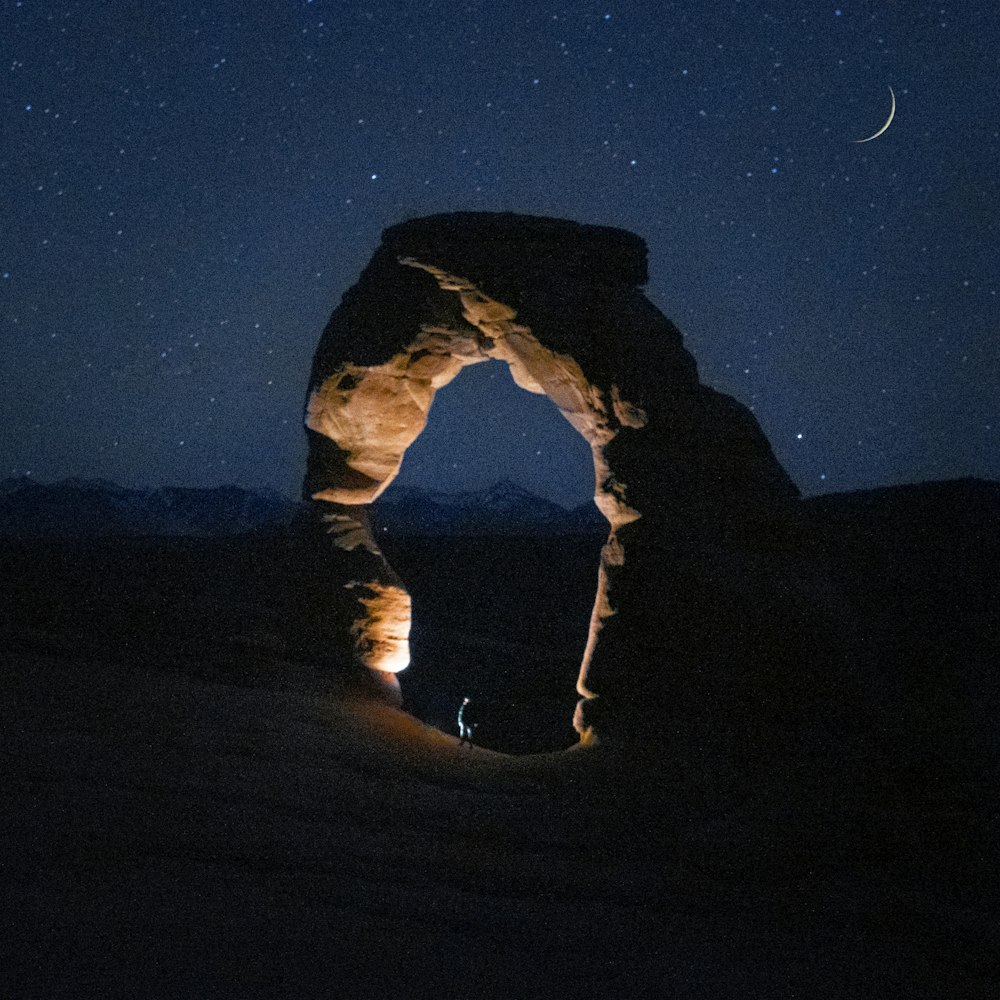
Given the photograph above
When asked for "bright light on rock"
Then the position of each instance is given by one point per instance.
(382, 635)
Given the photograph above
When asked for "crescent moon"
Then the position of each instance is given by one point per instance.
(888, 121)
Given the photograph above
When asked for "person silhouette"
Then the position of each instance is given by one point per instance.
(466, 723)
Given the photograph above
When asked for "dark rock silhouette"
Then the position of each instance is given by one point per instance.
(679, 467)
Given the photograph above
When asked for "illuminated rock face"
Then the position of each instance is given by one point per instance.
(675, 463)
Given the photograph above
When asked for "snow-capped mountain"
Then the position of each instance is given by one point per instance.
(90, 508)
(501, 509)
(93, 508)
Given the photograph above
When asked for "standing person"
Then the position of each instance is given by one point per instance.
(466, 725)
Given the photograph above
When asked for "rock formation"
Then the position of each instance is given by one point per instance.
(697, 505)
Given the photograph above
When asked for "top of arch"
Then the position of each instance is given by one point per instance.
(466, 238)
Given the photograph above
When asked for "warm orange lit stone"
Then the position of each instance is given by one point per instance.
(560, 303)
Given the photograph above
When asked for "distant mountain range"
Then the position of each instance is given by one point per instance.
(502, 509)
(967, 503)
(93, 508)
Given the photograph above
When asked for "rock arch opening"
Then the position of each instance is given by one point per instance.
(488, 526)
(373, 413)
(677, 466)
(483, 428)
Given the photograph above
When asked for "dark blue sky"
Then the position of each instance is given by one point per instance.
(188, 189)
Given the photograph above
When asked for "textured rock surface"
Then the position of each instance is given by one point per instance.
(681, 471)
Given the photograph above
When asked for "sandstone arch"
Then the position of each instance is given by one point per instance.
(561, 304)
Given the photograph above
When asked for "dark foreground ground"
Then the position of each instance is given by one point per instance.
(191, 807)
(170, 837)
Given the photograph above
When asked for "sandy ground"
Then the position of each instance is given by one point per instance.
(165, 836)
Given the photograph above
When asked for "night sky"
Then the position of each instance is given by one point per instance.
(189, 188)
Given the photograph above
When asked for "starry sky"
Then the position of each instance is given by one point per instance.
(187, 189)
